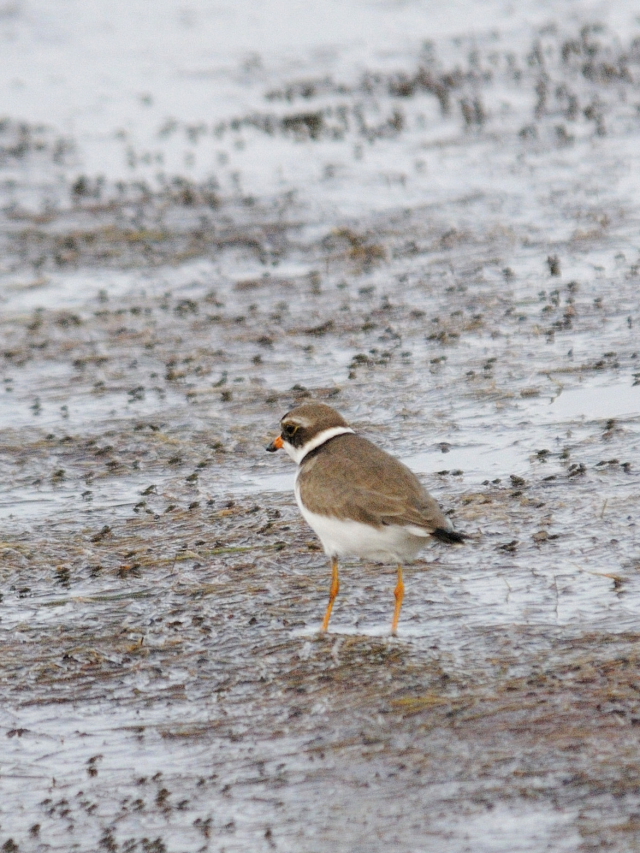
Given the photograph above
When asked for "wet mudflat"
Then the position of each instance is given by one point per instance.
(444, 247)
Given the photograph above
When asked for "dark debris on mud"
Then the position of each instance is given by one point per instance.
(208, 650)
(164, 684)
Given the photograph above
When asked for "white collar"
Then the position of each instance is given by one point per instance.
(299, 453)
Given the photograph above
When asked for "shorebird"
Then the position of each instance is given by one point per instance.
(359, 500)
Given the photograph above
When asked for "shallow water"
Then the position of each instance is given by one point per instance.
(427, 218)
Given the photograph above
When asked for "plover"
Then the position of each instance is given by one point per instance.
(359, 500)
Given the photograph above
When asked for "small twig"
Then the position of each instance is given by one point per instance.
(335, 648)
(508, 588)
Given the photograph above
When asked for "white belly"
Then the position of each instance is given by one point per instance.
(344, 537)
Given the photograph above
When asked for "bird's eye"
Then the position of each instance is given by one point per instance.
(289, 430)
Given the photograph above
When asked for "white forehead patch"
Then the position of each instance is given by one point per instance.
(298, 420)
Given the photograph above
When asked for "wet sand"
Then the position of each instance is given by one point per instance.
(164, 683)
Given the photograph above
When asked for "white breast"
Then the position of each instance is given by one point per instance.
(345, 537)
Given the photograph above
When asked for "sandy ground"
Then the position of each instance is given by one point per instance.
(444, 246)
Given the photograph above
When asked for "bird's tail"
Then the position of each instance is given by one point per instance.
(452, 537)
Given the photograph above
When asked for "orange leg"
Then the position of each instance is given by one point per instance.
(399, 594)
(333, 594)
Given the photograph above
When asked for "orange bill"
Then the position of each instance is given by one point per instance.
(276, 444)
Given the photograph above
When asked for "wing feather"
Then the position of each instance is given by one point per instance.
(365, 484)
